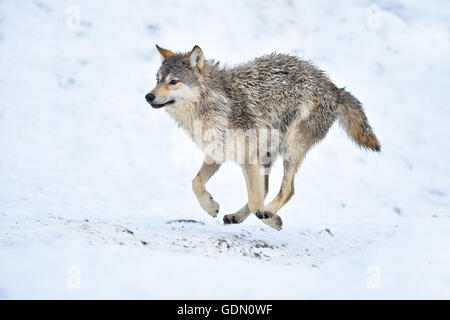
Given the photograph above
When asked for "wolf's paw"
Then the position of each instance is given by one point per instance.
(270, 219)
(261, 214)
(232, 219)
(209, 205)
(274, 222)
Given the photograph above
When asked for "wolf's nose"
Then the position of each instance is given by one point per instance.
(150, 97)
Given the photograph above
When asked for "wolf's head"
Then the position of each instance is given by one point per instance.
(178, 80)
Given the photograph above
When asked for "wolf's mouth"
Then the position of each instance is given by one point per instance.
(156, 105)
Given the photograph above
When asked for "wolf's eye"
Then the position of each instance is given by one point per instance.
(174, 81)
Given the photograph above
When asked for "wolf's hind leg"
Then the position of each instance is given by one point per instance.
(209, 167)
(299, 141)
(294, 156)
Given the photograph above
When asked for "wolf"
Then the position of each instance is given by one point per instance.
(276, 105)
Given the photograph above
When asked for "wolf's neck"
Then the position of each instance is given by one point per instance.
(185, 117)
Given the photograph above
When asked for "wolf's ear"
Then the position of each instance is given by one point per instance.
(165, 54)
(195, 59)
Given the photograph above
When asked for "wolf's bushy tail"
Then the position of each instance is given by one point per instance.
(353, 119)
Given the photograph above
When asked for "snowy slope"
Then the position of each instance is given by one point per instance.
(94, 180)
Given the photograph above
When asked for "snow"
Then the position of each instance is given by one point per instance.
(95, 186)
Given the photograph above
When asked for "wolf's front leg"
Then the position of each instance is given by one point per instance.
(238, 216)
(244, 212)
(257, 187)
(254, 178)
(205, 199)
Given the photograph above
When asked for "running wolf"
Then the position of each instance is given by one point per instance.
(275, 105)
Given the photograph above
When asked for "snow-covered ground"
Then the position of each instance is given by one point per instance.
(95, 186)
